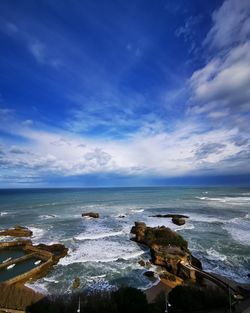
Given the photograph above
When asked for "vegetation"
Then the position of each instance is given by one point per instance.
(123, 300)
(191, 299)
(164, 236)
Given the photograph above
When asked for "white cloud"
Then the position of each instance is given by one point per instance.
(162, 154)
(220, 89)
(231, 24)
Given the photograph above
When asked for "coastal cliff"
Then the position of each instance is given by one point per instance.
(168, 249)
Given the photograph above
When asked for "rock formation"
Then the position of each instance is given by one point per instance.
(177, 219)
(76, 283)
(91, 214)
(168, 249)
(17, 231)
(58, 250)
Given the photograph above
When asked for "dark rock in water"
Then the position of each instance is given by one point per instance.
(91, 214)
(17, 231)
(76, 283)
(59, 250)
(178, 221)
(171, 215)
(142, 263)
(248, 275)
(149, 274)
(121, 216)
(148, 264)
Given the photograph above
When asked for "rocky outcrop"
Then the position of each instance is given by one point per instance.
(177, 219)
(58, 250)
(149, 274)
(91, 214)
(17, 231)
(171, 215)
(76, 283)
(168, 249)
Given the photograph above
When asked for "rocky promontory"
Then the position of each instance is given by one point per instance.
(17, 231)
(58, 250)
(168, 249)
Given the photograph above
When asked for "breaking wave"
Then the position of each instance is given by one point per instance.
(85, 236)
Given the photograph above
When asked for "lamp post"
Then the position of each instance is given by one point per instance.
(167, 304)
(79, 306)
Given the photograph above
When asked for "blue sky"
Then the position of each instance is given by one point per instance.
(142, 92)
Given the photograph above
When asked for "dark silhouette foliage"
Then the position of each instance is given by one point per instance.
(123, 300)
(191, 299)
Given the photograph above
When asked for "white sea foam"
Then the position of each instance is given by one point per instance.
(3, 213)
(137, 210)
(212, 253)
(51, 280)
(239, 229)
(47, 216)
(186, 226)
(37, 233)
(101, 251)
(98, 276)
(94, 236)
(229, 200)
(38, 287)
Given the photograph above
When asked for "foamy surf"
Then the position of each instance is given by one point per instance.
(85, 236)
(38, 233)
(3, 213)
(38, 287)
(215, 255)
(103, 251)
(137, 210)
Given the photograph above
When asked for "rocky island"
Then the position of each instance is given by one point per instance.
(168, 249)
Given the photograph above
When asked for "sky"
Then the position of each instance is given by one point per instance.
(124, 93)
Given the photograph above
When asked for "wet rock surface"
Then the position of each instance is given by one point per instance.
(177, 219)
(91, 214)
(17, 231)
(168, 249)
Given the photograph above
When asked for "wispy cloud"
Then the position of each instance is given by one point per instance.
(221, 88)
(38, 49)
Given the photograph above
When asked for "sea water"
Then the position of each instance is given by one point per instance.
(101, 253)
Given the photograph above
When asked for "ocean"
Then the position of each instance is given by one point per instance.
(101, 253)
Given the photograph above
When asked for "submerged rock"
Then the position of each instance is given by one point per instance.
(142, 263)
(149, 274)
(177, 219)
(91, 214)
(17, 231)
(171, 215)
(76, 283)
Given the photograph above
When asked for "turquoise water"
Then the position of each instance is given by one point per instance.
(10, 253)
(18, 269)
(100, 250)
